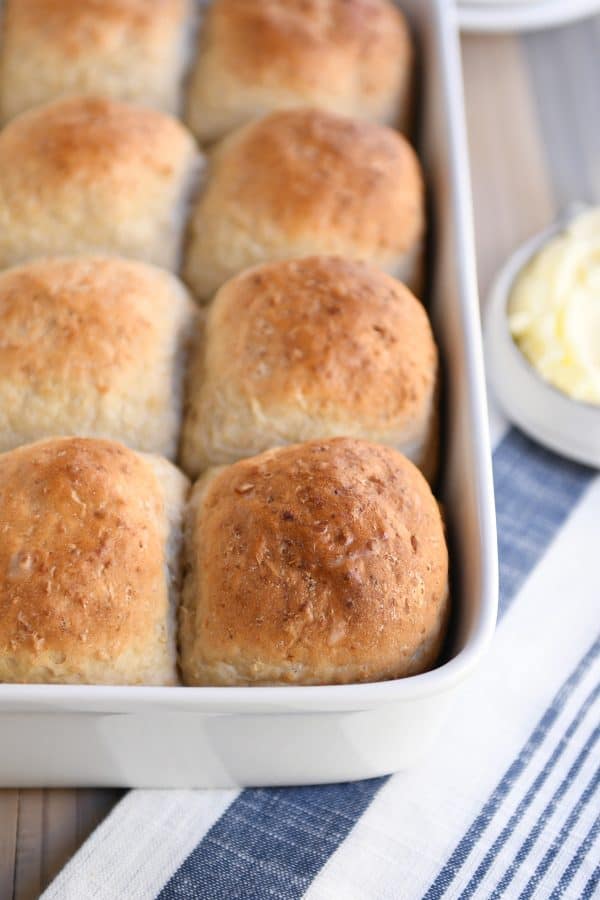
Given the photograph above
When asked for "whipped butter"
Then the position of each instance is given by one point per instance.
(554, 310)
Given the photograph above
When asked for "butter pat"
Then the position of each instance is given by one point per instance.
(554, 310)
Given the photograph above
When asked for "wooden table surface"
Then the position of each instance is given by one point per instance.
(533, 110)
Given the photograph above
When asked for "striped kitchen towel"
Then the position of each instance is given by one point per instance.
(507, 805)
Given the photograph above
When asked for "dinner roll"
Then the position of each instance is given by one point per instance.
(347, 56)
(319, 563)
(87, 175)
(311, 348)
(92, 346)
(125, 49)
(88, 564)
(303, 182)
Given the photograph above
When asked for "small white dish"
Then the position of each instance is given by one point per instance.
(521, 15)
(567, 426)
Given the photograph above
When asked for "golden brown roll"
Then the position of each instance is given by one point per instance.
(88, 564)
(352, 57)
(306, 182)
(131, 50)
(88, 175)
(319, 563)
(93, 346)
(311, 348)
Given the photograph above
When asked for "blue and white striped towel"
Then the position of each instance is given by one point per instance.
(507, 805)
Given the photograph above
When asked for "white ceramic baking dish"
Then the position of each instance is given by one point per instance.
(209, 737)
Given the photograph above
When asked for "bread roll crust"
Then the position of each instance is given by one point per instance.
(90, 175)
(318, 563)
(87, 564)
(129, 50)
(303, 182)
(352, 57)
(311, 348)
(93, 346)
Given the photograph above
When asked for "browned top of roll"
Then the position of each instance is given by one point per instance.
(341, 335)
(318, 562)
(311, 171)
(88, 321)
(133, 50)
(290, 42)
(83, 568)
(87, 141)
(78, 24)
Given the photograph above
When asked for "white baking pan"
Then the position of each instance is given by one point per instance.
(208, 737)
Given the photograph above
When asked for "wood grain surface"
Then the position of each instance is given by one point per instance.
(40, 830)
(533, 107)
